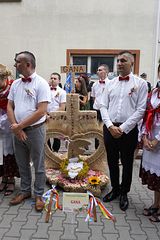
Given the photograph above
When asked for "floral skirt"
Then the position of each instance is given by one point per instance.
(9, 167)
(151, 180)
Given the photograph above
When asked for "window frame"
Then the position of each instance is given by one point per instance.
(114, 52)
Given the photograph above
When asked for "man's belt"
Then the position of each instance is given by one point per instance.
(33, 127)
(117, 124)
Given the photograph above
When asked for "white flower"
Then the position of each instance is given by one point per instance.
(74, 168)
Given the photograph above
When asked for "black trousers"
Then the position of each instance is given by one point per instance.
(99, 118)
(123, 148)
(56, 144)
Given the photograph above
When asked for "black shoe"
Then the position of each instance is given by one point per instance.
(123, 204)
(111, 196)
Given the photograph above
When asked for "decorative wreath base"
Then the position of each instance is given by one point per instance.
(55, 177)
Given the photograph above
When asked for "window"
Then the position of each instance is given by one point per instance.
(98, 60)
(93, 58)
(80, 60)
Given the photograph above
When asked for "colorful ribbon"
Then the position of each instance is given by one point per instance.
(105, 212)
(50, 197)
(93, 202)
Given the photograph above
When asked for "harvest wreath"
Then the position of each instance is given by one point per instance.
(93, 181)
(74, 175)
(74, 169)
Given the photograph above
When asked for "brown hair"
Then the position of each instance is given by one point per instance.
(55, 73)
(85, 77)
(83, 89)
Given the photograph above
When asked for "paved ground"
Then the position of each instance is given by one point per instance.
(22, 222)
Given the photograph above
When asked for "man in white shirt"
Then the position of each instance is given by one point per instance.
(58, 103)
(122, 107)
(97, 90)
(27, 107)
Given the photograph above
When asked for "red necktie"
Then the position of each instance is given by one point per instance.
(102, 81)
(124, 78)
(53, 88)
(27, 79)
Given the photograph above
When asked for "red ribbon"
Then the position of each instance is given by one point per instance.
(149, 117)
(4, 94)
(150, 112)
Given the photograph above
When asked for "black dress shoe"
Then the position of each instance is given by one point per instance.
(123, 204)
(111, 196)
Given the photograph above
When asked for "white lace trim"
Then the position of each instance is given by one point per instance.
(152, 169)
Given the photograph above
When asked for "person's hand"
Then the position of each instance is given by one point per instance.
(116, 132)
(153, 143)
(21, 135)
(15, 127)
(149, 144)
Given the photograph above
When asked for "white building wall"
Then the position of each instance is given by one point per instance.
(49, 27)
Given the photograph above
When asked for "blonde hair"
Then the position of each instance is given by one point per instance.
(4, 72)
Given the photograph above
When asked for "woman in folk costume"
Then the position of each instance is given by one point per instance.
(8, 166)
(150, 167)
